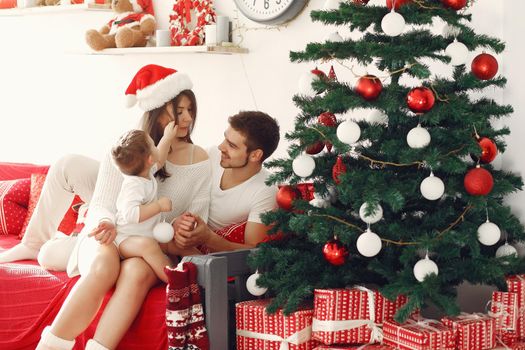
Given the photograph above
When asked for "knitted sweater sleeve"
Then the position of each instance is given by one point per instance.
(107, 188)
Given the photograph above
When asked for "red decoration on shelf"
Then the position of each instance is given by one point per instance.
(484, 66)
(335, 252)
(489, 150)
(420, 99)
(338, 169)
(454, 4)
(327, 119)
(183, 33)
(286, 195)
(398, 3)
(478, 182)
(369, 87)
(315, 148)
(331, 74)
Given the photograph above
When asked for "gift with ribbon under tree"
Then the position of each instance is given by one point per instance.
(258, 329)
(355, 347)
(516, 284)
(473, 331)
(351, 316)
(504, 309)
(424, 334)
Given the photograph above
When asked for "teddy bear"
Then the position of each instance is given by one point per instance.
(131, 27)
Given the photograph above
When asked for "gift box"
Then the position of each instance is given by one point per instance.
(351, 316)
(473, 331)
(516, 284)
(257, 329)
(424, 334)
(355, 347)
(504, 308)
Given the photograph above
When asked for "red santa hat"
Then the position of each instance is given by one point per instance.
(145, 6)
(155, 85)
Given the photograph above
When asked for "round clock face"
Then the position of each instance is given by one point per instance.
(270, 11)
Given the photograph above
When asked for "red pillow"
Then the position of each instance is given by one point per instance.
(14, 197)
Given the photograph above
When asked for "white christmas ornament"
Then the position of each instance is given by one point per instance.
(332, 191)
(334, 37)
(348, 132)
(432, 187)
(163, 232)
(418, 137)
(425, 267)
(458, 53)
(489, 233)
(376, 117)
(303, 165)
(331, 5)
(506, 250)
(372, 218)
(393, 23)
(320, 202)
(368, 244)
(305, 83)
(253, 288)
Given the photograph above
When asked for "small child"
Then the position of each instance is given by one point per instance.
(138, 209)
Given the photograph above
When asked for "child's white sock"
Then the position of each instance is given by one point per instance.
(18, 252)
(49, 341)
(92, 344)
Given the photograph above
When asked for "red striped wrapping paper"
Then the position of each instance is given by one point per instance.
(425, 334)
(473, 331)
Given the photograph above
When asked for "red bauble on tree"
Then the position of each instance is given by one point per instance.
(454, 4)
(484, 66)
(315, 148)
(286, 195)
(420, 99)
(489, 150)
(331, 74)
(338, 169)
(369, 87)
(327, 119)
(478, 182)
(398, 3)
(361, 2)
(335, 252)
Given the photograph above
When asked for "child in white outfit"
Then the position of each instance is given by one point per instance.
(138, 209)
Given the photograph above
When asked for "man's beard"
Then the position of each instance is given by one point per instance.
(236, 166)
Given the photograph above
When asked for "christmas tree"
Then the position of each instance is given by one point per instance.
(408, 200)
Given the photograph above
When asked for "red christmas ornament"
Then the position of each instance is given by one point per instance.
(489, 150)
(484, 66)
(327, 119)
(454, 4)
(361, 2)
(320, 74)
(338, 169)
(420, 99)
(307, 190)
(335, 252)
(286, 195)
(478, 182)
(315, 148)
(369, 87)
(328, 146)
(398, 3)
(331, 73)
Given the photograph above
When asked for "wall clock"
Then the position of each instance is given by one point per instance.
(270, 11)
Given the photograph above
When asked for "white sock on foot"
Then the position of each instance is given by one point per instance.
(92, 344)
(49, 341)
(18, 252)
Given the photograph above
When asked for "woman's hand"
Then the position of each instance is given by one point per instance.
(192, 233)
(170, 131)
(104, 233)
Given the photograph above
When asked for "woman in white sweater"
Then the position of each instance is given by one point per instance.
(165, 95)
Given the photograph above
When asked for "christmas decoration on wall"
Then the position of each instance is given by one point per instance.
(368, 244)
(489, 150)
(369, 87)
(454, 4)
(457, 52)
(252, 287)
(372, 218)
(478, 182)
(180, 21)
(348, 132)
(506, 250)
(338, 169)
(393, 23)
(306, 80)
(484, 66)
(286, 195)
(303, 165)
(396, 3)
(489, 233)
(163, 232)
(418, 137)
(420, 99)
(335, 252)
(432, 187)
(424, 268)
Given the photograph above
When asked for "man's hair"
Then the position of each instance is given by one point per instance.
(261, 131)
(131, 152)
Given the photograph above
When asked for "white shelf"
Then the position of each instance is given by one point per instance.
(226, 50)
(53, 9)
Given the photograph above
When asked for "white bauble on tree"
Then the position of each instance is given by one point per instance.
(506, 250)
(425, 267)
(303, 165)
(458, 53)
(418, 137)
(348, 132)
(489, 233)
(163, 232)
(334, 37)
(253, 288)
(368, 244)
(376, 117)
(372, 218)
(320, 202)
(331, 5)
(332, 193)
(432, 187)
(305, 83)
(393, 23)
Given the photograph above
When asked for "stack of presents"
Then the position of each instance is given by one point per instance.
(359, 318)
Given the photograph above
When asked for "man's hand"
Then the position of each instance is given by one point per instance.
(185, 222)
(164, 204)
(170, 131)
(192, 233)
(104, 233)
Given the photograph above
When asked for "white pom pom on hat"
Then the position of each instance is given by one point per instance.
(155, 85)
